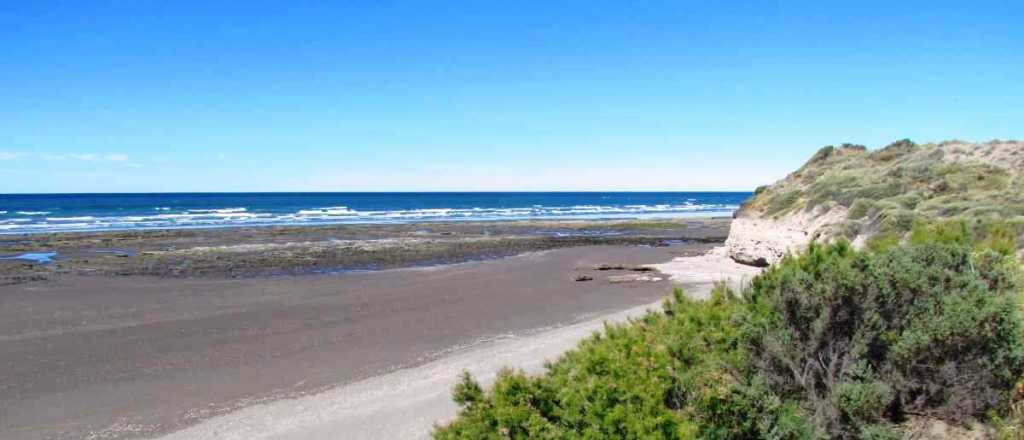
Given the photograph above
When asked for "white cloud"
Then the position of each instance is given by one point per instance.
(86, 157)
(114, 158)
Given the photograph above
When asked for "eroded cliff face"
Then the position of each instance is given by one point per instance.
(764, 241)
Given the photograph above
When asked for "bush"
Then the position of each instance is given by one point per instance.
(896, 220)
(822, 154)
(859, 209)
(932, 328)
(1011, 426)
(780, 203)
(834, 343)
(673, 375)
(894, 150)
(997, 236)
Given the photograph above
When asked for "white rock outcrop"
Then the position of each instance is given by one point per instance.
(715, 266)
(764, 241)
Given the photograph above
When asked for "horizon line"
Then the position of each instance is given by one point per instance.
(378, 192)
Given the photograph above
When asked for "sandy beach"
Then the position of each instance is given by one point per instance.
(407, 403)
(404, 404)
(138, 356)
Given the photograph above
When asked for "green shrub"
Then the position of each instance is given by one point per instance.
(467, 391)
(848, 229)
(834, 343)
(832, 187)
(875, 191)
(822, 154)
(894, 150)
(859, 209)
(883, 241)
(629, 381)
(673, 375)
(782, 202)
(896, 220)
(863, 400)
(909, 200)
(963, 178)
(1011, 425)
(938, 322)
(996, 235)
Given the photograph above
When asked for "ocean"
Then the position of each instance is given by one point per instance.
(34, 213)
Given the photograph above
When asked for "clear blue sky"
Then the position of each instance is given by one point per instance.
(131, 96)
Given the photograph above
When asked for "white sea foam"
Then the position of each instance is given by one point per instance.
(327, 211)
(217, 211)
(240, 216)
(70, 219)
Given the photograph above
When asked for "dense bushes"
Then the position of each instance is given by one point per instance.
(863, 338)
(668, 375)
(836, 343)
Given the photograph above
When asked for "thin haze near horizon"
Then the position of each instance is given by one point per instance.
(476, 96)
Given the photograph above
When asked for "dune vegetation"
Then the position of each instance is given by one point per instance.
(833, 343)
(885, 191)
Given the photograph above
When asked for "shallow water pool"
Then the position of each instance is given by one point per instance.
(35, 257)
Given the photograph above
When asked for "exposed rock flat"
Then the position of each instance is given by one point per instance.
(713, 267)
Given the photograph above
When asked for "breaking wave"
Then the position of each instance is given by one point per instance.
(167, 217)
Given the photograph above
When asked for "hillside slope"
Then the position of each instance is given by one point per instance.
(849, 191)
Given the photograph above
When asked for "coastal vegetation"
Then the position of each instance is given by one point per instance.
(833, 343)
(883, 193)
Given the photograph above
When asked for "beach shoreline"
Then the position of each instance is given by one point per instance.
(408, 403)
(136, 356)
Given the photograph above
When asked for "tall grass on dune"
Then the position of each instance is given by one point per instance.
(886, 191)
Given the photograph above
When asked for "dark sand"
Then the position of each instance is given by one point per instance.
(123, 357)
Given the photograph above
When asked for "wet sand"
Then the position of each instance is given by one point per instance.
(127, 357)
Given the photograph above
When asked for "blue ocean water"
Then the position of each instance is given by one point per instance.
(27, 213)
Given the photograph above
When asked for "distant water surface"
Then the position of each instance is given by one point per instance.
(26, 213)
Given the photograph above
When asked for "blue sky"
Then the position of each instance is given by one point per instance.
(136, 96)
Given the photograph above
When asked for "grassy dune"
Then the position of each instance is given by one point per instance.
(885, 191)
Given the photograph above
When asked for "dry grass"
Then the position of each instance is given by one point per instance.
(889, 189)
